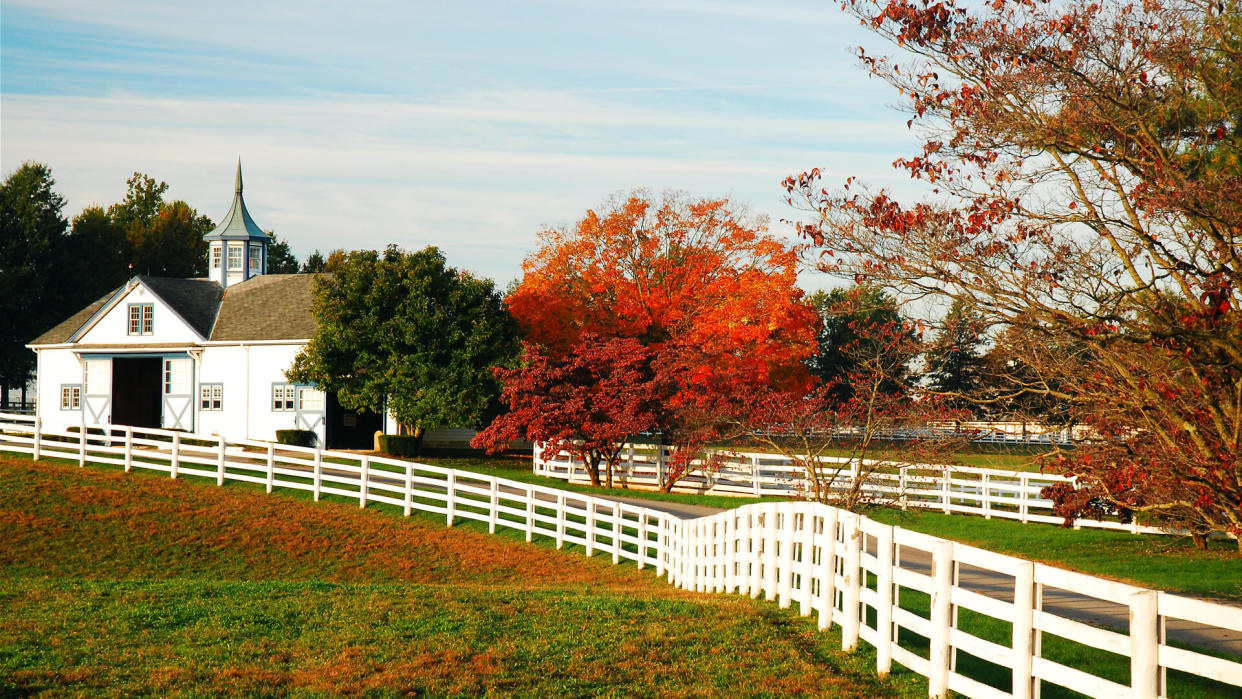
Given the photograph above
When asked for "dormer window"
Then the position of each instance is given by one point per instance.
(235, 258)
(141, 318)
(256, 258)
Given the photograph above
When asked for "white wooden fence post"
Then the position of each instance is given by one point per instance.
(884, 602)
(770, 534)
(754, 475)
(1023, 497)
(789, 522)
(660, 465)
(754, 540)
(38, 439)
(941, 619)
(129, 448)
(318, 473)
(1144, 645)
(271, 466)
(220, 449)
(176, 456)
(450, 498)
(806, 568)
(1023, 627)
(730, 551)
(616, 533)
(537, 466)
(828, 569)
(82, 446)
(947, 489)
(408, 505)
(364, 482)
(493, 505)
(661, 543)
(987, 497)
(642, 535)
(902, 484)
(853, 583)
(590, 527)
(560, 520)
(530, 513)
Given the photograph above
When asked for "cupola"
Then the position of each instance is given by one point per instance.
(237, 248)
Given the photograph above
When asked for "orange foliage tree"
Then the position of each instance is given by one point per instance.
(699, 283)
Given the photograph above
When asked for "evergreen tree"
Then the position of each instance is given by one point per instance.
(955, 365)
(32, 232)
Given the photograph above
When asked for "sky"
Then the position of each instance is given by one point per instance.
(469, 126)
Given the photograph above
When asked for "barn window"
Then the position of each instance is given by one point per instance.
(141, 318)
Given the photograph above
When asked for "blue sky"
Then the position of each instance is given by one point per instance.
(470, 126)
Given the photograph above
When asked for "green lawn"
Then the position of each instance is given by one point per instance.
(120, 584)
(1157, 561)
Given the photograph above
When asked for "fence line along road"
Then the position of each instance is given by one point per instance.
(946, 488)
(840, 567)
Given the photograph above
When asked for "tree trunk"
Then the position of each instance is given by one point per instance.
(1201, 541)
(592, 466)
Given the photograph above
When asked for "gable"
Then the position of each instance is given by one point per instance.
(166, 302)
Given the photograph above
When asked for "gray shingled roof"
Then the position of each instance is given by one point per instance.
(195, 300)
(65, 329)
(267, 307)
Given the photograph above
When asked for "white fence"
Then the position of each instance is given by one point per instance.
(946, 488)
(915, 598)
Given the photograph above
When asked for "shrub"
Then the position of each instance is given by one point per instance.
(400, 445)
(296, 438)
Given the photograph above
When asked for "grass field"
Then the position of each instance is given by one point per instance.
(121, 584)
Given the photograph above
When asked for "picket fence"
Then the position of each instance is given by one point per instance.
(947, 488)
(840, 566)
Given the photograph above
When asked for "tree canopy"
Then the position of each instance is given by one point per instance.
(701, 285)
(1087, 164)
(404, 331)
(32, 232)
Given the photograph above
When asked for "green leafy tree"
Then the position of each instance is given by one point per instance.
(314, 263)
(955, 364)
(403, 331)
(166, 238)
(96, 256)
(848, 318)
(32, 231)
(280, 259)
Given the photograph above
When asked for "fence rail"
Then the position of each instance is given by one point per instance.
(907, 594)
(946, 488)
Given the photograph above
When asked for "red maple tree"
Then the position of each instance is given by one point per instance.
(701, 286)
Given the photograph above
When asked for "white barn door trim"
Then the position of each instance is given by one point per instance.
(97, 391)
(178, 398)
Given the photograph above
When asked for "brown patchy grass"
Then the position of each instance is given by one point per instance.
(67, 522)
(120, 584)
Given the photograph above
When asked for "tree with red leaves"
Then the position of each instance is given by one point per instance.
(1087, 163)
(588, 401)
(700, 285)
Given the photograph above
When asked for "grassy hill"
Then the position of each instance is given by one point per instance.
(122, 584)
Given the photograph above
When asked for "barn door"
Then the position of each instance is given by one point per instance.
(97, 401)
(310, 408)
(178, 413)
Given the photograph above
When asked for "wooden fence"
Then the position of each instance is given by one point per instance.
(946, 488)
(916, 599)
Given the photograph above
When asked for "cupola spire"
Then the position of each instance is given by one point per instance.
(237, 189)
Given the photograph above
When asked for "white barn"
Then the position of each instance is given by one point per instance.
(206, 356)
